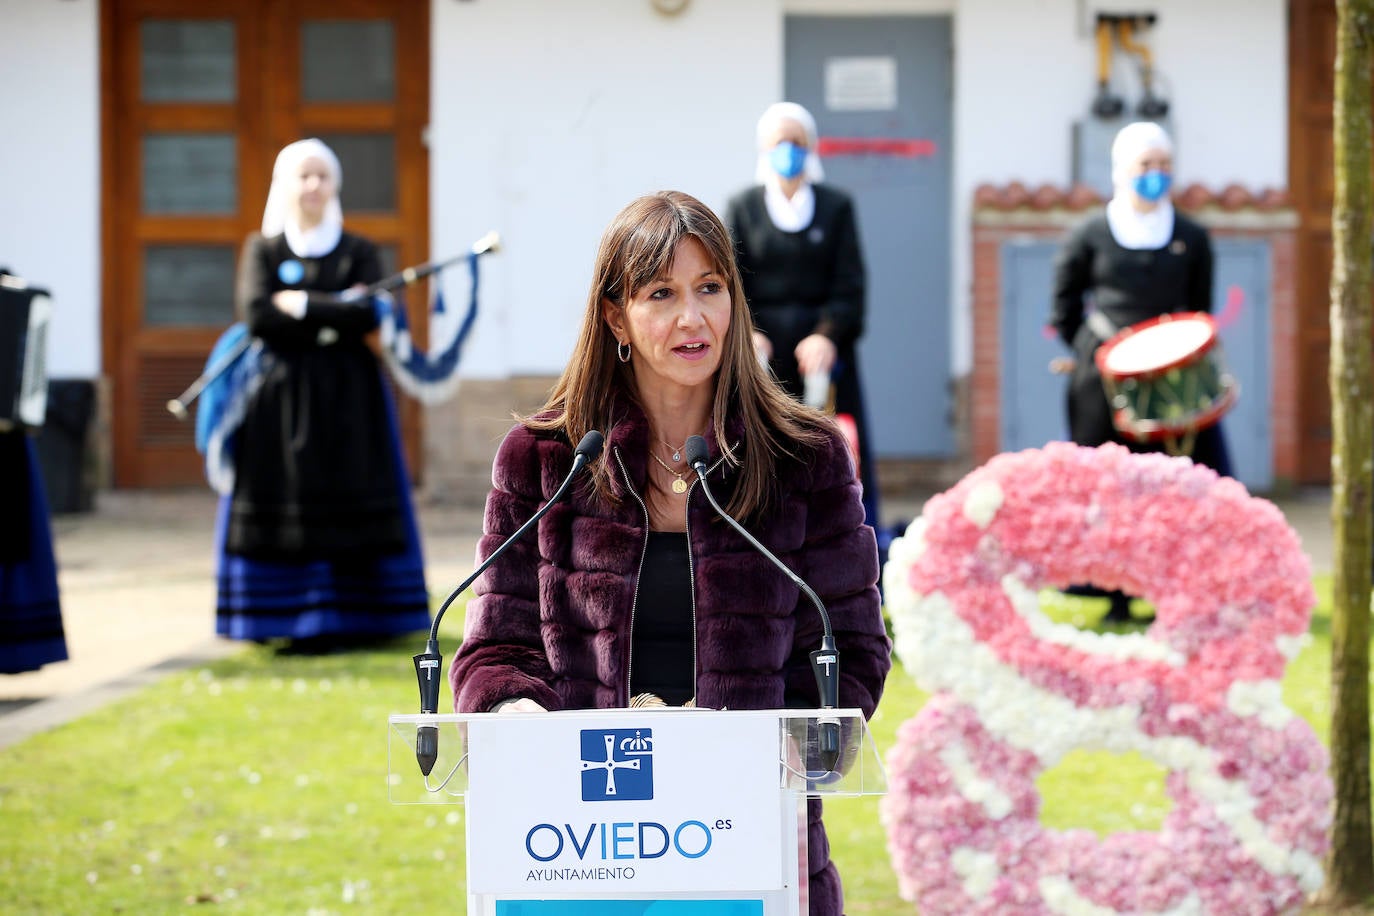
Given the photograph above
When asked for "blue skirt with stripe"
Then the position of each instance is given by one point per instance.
(322, 599)
(31, 633)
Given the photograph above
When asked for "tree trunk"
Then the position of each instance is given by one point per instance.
(1351, 865)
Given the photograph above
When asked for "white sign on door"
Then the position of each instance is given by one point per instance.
(861, 83)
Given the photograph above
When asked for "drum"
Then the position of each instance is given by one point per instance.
(1165, 378)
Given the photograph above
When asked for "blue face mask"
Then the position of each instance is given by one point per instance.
(1152, 185)
(788, 159)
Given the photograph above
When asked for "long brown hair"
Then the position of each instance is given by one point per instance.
(636, 247)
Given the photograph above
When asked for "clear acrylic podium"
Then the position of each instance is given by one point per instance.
(634, 812)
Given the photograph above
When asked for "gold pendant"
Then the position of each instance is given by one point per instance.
(679, 486)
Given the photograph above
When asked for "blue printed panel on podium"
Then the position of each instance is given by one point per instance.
(629, 908)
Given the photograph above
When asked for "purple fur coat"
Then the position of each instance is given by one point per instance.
(551, 621)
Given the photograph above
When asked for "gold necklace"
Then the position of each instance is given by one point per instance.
(679, 485)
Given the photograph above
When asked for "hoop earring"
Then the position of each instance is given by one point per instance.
(622, 355)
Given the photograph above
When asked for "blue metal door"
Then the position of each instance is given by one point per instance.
(881, 90)
(1033, 408)
(1240, 302)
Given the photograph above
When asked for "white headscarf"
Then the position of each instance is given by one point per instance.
(794, 214)
(1130, 227)
(279, 216)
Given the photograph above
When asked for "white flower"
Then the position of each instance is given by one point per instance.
(1118, 646)
(1309, 871)
(971, 783)
(1290, 646)
(978, 870)
(1060, 896)
(982, 502)
(1261, 699)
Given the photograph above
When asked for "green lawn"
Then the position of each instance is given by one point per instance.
(258, 785)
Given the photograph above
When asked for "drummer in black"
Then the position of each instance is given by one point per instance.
(1136, 260)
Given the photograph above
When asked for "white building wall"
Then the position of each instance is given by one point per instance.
(50, 168)
(548, 117)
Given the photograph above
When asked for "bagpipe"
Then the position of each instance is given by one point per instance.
(233, 371)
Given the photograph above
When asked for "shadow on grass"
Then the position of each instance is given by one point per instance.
(1320, 626)
(383, 659)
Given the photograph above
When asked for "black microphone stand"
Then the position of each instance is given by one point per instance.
(825, 661)
(429, 662)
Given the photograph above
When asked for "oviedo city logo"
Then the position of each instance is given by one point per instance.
(617, 765)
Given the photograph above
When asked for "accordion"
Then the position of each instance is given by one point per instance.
(24, 315)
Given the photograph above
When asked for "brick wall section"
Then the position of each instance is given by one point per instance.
(462, 435)
(1001, 214)
(992, 228)
(1284, 357)
(985, 385)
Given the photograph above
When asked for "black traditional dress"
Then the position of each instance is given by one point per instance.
(1127, 286)
(808, 282)
(31, 633)
(318, 539)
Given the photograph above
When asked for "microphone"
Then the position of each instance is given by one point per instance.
(825, 661)
(428, 663)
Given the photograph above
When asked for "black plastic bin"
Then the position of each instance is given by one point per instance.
(62, 446)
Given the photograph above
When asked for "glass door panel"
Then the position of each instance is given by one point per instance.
(369, 171)
(188, 60)
(348, 60)
(191, 174)
(188, 285)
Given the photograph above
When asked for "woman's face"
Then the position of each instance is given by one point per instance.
(676, 324)
(316, 189)
(1152, 160)
(785, 129)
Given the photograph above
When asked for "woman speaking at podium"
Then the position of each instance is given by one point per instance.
(634, 590)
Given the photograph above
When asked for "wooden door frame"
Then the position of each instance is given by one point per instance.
(260, 131)
(1312, 321)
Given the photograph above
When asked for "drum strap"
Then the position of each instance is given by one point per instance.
(1101, 326)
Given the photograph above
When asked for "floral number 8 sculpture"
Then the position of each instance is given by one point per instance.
(1198, 693)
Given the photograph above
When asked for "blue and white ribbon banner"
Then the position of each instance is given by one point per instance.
(429, 377)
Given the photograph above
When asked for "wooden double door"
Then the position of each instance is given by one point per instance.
(197, 98)
(1312, 183)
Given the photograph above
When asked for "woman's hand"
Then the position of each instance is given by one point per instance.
(354, 293)
(815, 354)
(290, 301)
(521, 704)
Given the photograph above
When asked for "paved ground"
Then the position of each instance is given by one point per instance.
(138, 594)
(137, 583)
